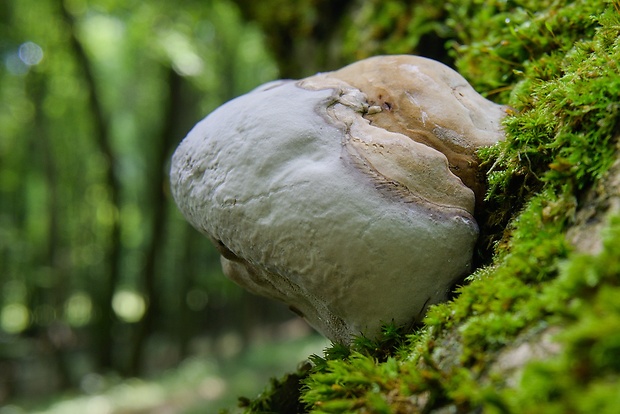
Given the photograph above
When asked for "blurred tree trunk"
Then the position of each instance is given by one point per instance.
(158, 181)
(103, 293)
(303, 39)
(54, 335)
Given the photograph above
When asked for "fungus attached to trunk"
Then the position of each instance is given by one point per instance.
(348, 195)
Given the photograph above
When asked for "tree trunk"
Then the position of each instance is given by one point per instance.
(301, 45)
(158, 204)
(103, 293)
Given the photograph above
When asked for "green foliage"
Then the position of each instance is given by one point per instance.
(94, 96)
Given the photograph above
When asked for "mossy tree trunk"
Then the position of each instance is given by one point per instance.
(536, 328)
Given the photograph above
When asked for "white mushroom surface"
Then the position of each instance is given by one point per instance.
(340, 194)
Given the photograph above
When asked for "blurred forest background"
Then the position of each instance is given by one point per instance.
(99, 274)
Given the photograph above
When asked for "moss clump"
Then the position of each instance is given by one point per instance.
(501, 42)
(557, 66)
(583, 299)
(566, 107)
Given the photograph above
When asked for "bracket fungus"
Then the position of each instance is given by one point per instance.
(348, 195)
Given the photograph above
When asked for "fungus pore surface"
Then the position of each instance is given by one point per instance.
(348, 195)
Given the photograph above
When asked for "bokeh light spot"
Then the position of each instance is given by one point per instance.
(30, 53)
(128, 305)
(14, 318)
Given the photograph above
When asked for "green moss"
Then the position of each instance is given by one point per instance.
(584, 376)
(501, 42)
(557, 65)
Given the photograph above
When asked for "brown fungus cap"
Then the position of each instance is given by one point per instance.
(431, 104)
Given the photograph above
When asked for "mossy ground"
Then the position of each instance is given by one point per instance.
(556, 64)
